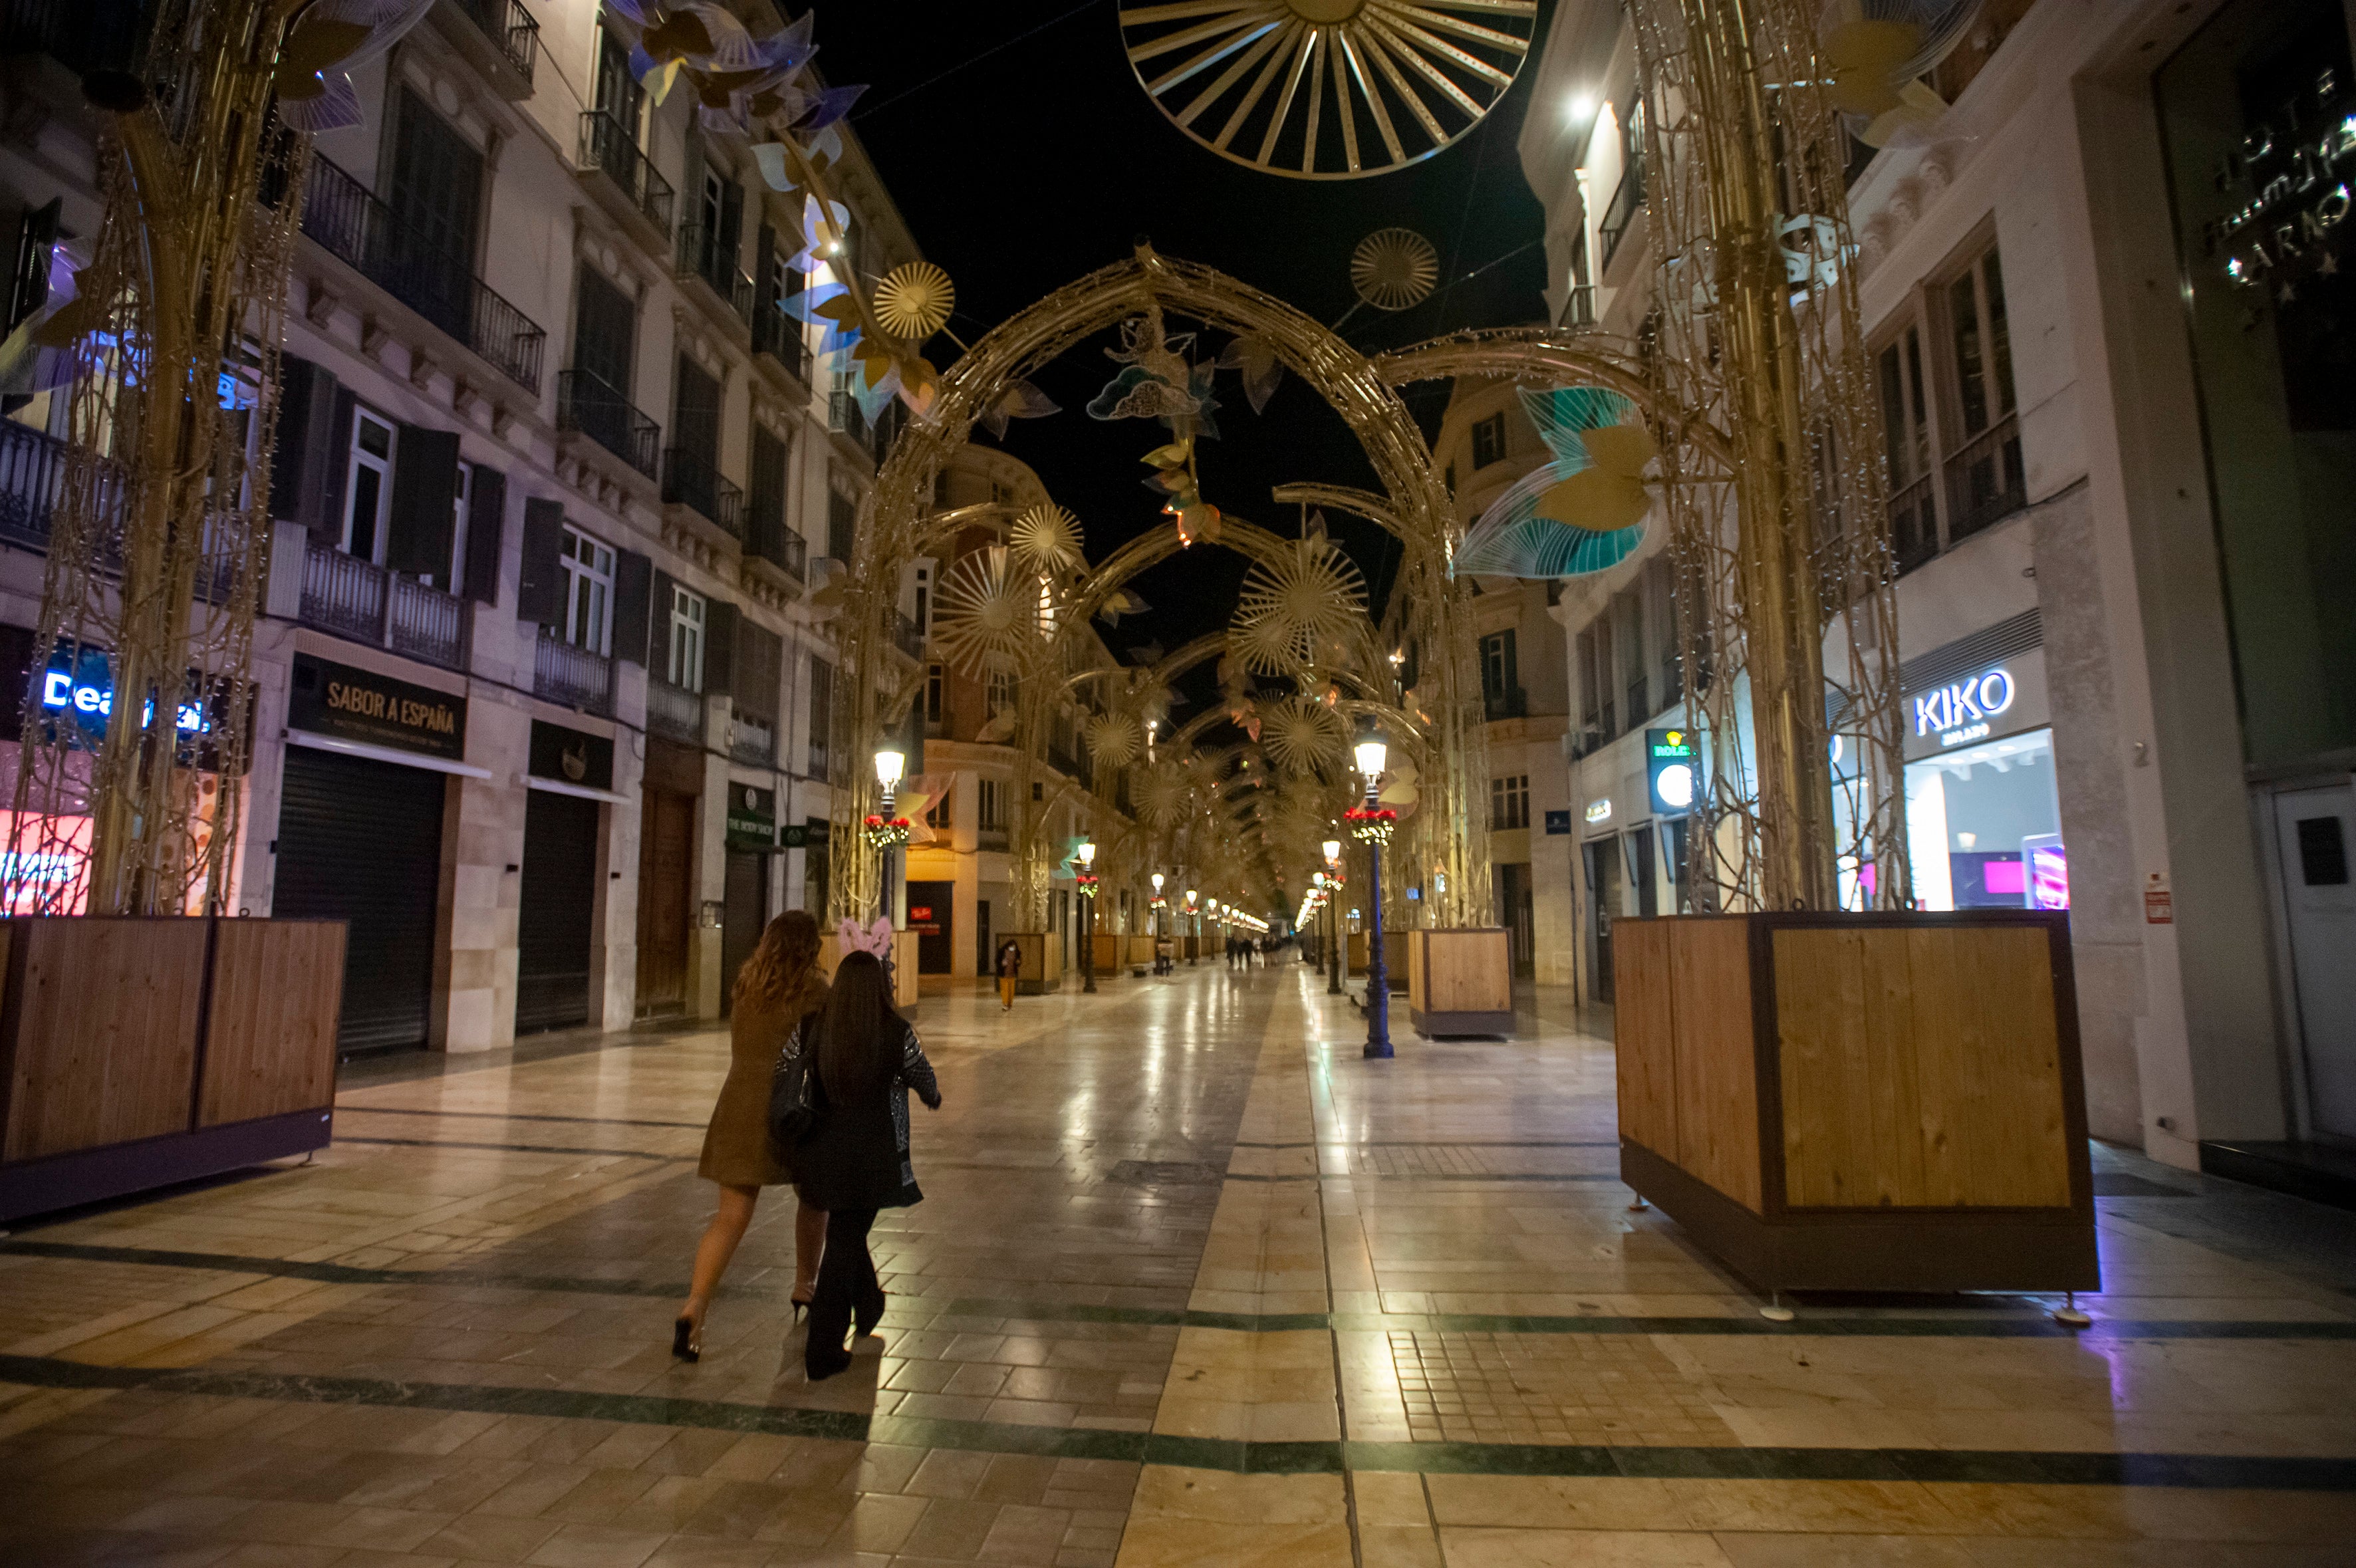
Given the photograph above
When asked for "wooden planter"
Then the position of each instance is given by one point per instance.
(905, 986)
(1878, 1102)
(1042, 962)
(1460, 982)
(135, 1053)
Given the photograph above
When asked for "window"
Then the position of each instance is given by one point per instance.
(686, 616)
(460, 498)
(998, 691)
(841, 524)
(367, 486)
(925, 600)
(588, 592)
(1488, 442)
(1659, 588)
(942, 813)
(1449, 478)
(821, 715)
(1509, 804)
(1628, 619)
(1985, 477)
(1913, 523)
(992, 805)
(1500, 679)
(936, 679)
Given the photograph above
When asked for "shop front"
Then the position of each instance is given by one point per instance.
(571, 781)
(1983, 808)
(364, 793)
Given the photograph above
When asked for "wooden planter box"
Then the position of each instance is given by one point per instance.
(135, 1053)
(1460, 982)
(1394, 957)
(905, 982)
(1042, 962)
(1876, 1102)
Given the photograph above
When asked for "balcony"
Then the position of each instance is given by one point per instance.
(1578, 308)
(908, 637)
(573, 676)
(753, 740)
(608, 148)
(32, 483)
(586, 404)
(703, 258)
(691, 480)
(1627, 200)
(1914, 527)
(819, 763)
(347, 220)
(1985, 479)
(780, 336)
(512, 31)
(1508, 702)
(362, 601)
(769, 540)
(844, 414)
(674, 711)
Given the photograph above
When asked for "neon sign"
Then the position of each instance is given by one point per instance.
(1961, 711)
(90, 702)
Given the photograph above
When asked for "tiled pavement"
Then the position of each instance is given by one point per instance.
(1193, 1285)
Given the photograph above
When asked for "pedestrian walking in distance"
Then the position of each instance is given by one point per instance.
(1010, 973)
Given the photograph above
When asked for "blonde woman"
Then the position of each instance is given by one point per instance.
(776, 986)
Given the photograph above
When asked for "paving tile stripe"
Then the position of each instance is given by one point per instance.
(2038, 1327)
(2000, 1466)
(345, 1110)
(513, 1148)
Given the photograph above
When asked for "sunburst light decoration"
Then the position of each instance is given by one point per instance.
(1313, 593)
(1875, 54)
(1047, 538)
(1394, 268)
(1163, 795)
(1302, 734)
(1579, 514)
(990, 614)
(914, 300)
(1327, 88)
(1114, 738)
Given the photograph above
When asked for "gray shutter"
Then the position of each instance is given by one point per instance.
(486, 533)
(539, 586)
(425, 523)
(721, 621)
(633, 588)
(336, 464)
(300, 462)
(661, 589)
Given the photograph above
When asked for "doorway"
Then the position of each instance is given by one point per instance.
(1516, 911)
(745, 915)
(932, 916)
(556, 916)
(667, 844)
(1603, 900)
(2315, 830)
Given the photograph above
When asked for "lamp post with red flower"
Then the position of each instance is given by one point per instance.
(887, 829)
(1087, 856)
(1371, 823)
(1334, 938)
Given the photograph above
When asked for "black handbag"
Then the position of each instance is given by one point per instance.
(792, 1098)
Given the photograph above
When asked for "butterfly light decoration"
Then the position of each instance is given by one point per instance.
(1582, 512)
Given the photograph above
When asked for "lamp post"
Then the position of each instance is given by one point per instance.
(1087, 858)
(1371, 756)
(1333, 848)
(1157, 922)
(889, 765)
(1191, 909)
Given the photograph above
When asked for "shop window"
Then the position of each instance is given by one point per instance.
(687, 611)
(588, 591)
(1984, 827)
(367, 486)
(1509, 804)
(998, 691)
(942, 813)
(1488, 441)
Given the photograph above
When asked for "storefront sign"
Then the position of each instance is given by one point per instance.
(752, 817)
(2294, 167)
(572, 756)
(1599, 811)
(332, 699)
(1669, 765)
(86, 691)
(76, 690)
(1557, 823)
(1963, 712)
(793, 835)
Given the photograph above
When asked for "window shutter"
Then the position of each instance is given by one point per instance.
(731, 222)
(760, 669)
(721, 624)
(300, 463)
(36, 244)
(486, 533)
(424, 504)
(539, 586)
(632, 601)
(764, 268)
(336, 472)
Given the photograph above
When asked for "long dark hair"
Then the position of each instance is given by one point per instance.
(859, 1030)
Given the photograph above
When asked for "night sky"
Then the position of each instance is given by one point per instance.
(1023, 169)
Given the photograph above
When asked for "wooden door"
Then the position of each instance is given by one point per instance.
(666, 845)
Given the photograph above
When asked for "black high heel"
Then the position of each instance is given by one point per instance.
(687, 1339)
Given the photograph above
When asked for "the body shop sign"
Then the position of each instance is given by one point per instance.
(1963, 711)
(353, 704)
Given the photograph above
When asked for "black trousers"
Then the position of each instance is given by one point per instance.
(846, 1285)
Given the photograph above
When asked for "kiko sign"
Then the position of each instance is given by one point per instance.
(1961, 711)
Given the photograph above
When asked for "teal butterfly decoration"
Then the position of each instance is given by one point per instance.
(1567, 518)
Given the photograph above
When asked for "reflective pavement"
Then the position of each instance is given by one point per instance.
(1193, 1285)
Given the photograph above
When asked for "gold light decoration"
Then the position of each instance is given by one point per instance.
(988, 615)
(1271, 647)
(1327, 88)
(1114, 738)
(1163, 795)
(1047, 538)
(914, 301)
(1394, 268)
(1314, 592)
(1301, 734)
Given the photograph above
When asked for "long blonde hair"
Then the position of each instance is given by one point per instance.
(781, 967)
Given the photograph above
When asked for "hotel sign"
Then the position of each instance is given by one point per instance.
(1963, 711)
(361, 705)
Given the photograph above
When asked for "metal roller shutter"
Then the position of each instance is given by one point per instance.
(557, 919)
(360, 841)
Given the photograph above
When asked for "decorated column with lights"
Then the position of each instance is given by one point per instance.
(1087, 856)
(1372, 822)
(887, 831)
(1331, 850)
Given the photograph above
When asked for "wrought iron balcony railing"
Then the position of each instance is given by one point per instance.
(609, 145)
(350, 220)
(780, 336)
(586, 404)
(752, 739)
(701, 255)
(32, 483)
(766, 535)
(1985, 481)
(574, 676)
(511, 28)
(1627, 200)
(674, 711)
(361, 600)
(1914, 527)
(691, 479)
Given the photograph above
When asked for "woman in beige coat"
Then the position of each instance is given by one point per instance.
(776, 986)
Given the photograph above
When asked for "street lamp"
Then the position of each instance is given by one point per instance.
(1087, 856)
(1332, 850)
(1157, 922)
(1372, 753)
(1192, 910)
(889, 766)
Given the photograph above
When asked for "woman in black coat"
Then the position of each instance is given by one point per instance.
(841, 1113)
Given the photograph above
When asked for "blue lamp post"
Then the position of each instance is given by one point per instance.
(1372, 753)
